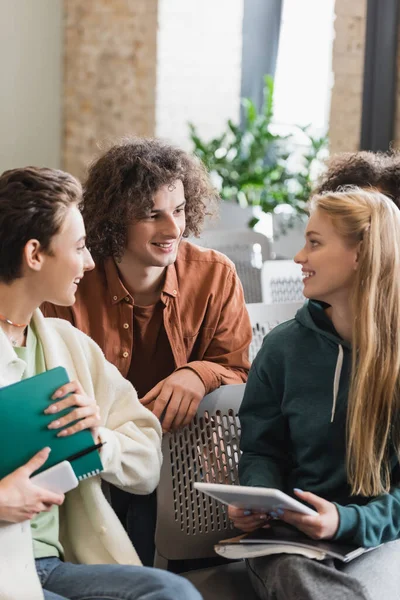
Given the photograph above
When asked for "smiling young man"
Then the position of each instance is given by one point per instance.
(170, 315)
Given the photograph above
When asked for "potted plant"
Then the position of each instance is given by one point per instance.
(254, 166)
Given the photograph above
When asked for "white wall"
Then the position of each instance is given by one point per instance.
(31, 79)
(199, 53)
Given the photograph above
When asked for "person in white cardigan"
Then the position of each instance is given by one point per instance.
(72, 548)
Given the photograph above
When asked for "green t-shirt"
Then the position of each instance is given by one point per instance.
(45, 526)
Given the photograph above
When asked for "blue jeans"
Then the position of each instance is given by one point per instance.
(67, 581)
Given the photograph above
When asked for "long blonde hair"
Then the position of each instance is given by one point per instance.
(371, 221)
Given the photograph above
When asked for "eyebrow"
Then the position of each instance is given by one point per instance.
(154, 210)
(312, 233)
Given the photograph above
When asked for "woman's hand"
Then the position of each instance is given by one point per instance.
(247, 520)
(87, 412)
(320, 527)
(20, 498)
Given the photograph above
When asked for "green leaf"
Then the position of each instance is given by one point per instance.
(252, 162)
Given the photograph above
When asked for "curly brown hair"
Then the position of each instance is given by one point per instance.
(363, 169)
(121, 186)
(33, 203)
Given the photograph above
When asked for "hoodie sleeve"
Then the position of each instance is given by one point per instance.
(372, 524)
(265, 437)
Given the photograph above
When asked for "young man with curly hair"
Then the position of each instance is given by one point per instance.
(364, 169)
(170, 315)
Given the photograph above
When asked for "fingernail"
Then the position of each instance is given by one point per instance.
(246, 513)
(62, 433)
(52, 409)
(298, 490)
(273, 514)
(280, 512)
(56, 395)
(53, 425)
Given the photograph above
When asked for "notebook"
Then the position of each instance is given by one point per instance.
(282, 538)
(23, 427)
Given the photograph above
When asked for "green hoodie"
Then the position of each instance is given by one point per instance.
(293, 419)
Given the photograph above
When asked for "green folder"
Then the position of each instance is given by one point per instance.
(23, 427)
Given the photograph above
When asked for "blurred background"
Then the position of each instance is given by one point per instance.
(261, 90)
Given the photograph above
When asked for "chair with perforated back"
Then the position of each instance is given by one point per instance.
(247, 249)
(189, 523)
(264, 317)
(281, 282)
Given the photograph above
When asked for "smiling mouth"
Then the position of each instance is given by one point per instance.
(164, 246)
(307, 274)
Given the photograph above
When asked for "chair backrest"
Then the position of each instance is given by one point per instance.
(247, 249)
(188, 522)
(281, 282)
(264, 317)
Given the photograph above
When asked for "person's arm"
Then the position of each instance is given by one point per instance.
(20, 498)
(132, 456)
(226, 360)
(264, 439)
(376, 522)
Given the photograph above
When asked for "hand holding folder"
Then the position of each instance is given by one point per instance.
(24, 428)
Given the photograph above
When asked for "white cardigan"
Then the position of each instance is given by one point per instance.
(90, 532)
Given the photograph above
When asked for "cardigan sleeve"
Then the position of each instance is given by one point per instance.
(132, 455)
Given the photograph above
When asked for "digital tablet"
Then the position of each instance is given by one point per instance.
(253, 498)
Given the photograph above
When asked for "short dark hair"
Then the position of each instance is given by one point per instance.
(33, 202)
(364, 169)
(121, 186)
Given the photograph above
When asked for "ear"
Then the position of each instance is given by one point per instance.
(33, 255)
(357, 255)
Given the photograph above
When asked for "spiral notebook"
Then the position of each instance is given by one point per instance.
(23, 427)
(282, 538)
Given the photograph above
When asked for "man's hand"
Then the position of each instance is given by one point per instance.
(247, 520)
(180, 394)
(20, 498)
(320, 527)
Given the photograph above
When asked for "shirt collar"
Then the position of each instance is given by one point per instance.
(171, 282)
(118, 291)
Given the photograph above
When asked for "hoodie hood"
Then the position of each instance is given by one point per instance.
(312, 315)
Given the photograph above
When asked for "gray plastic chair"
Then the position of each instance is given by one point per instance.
(189, 523)
(247, 249)
(281, 282)
(264, 317)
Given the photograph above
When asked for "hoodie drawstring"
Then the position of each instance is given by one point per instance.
(338, 371)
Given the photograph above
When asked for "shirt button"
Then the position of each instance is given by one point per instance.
(174, 292)
(126, 325)
(125, 354)
(103, 530)
(127, 299)
(115, 297)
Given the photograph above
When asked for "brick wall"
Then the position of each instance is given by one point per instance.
(348, 69)
(109, 75)
(147, 67)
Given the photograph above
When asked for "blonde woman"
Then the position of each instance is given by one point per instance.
(320, 415)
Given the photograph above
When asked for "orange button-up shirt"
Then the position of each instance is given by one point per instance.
(205, 316)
